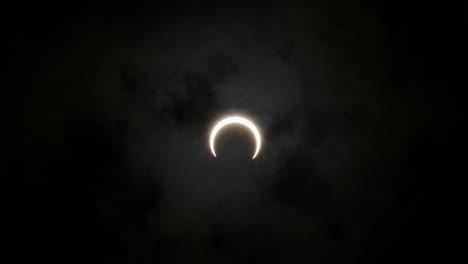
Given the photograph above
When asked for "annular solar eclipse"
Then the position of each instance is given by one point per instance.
(232, 120)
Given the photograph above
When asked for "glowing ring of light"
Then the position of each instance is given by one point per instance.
(235, 120)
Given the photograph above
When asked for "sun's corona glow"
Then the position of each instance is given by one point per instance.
(235, 120)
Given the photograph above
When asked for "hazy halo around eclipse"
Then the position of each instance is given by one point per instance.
(235, 120)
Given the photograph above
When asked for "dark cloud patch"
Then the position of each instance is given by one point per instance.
(219, 68)
(286, 52)
(296, 188)
(196, 104)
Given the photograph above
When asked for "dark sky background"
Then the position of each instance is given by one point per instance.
(109, 110)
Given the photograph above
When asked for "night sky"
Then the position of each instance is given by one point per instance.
(109, 110)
